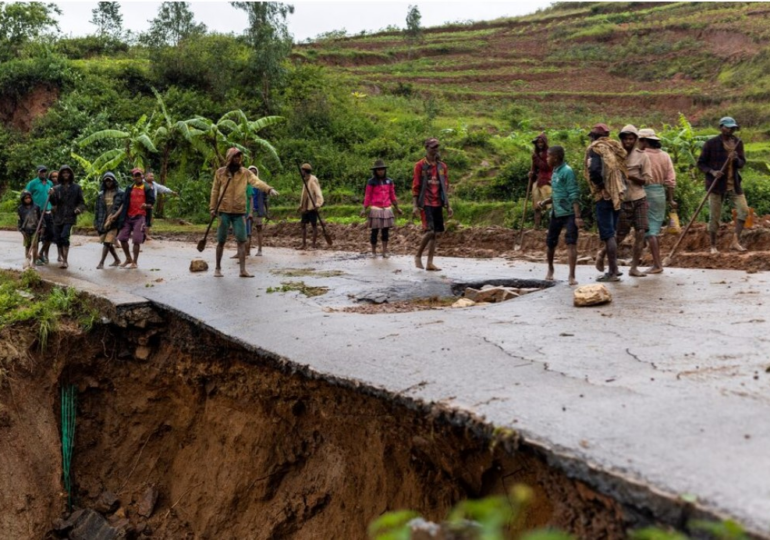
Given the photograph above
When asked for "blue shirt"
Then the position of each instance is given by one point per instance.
(565, 191)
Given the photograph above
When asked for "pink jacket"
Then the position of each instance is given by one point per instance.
(662, 168)
(380, 193)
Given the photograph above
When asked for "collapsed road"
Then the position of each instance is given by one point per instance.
(658, 401)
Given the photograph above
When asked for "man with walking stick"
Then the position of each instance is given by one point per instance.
(228, 201)
(309, 202)
(725, 173)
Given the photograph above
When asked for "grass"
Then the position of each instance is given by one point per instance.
(300, 287)
(24, 300)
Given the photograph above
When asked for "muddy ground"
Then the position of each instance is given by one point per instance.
(486, 242)
(235, 446)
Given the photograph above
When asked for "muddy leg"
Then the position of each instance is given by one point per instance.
(736, 245)
(304, 236)
(46, 247)
(124, 245)
(426, 238)
(431, 252)
(105, 251)
(218, 267)
(600, 258)
(135, 262)
(637, 255)
(538, 217)
(242, 259)
(657, 265)
(572, 253)
(550, 255)
(612, 255)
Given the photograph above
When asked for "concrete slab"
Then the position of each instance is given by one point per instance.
(662, 393)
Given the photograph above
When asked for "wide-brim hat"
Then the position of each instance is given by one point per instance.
(379, 164)
(729, 122)
(629, 128)
(306, 167)
(648, 133)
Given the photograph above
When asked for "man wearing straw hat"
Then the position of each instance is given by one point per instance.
(379, 197)
(310, 201)
(713, 162)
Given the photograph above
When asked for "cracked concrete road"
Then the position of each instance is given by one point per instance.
(663, 392)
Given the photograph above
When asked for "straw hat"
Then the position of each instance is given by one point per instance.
(648, 133)
(379, 164)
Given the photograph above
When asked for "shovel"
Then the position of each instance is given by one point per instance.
(667, 261)
(523, 218)
(202, 243)
(327, 236)
(37, 229)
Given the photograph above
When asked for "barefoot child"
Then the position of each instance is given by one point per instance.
(29, 217)
(565, 212)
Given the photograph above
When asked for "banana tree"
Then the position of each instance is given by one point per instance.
(132, 145)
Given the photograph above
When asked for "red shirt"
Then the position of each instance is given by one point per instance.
(433, 191)
(381, 194)
(135, 205)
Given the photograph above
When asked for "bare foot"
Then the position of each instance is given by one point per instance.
(714, 251)
(116, 262)
(245, 274)
(549, 276)
(572, 282)
(654, 270)
(126, 264)
(217, 272)
(634, 272)
(133, 266)
(418, 263)
(100, 267)
(736, 246)
(386, 255)
(432, 268)
(259, 253)
(600, 261)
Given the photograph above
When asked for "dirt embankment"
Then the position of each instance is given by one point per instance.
(236, 446)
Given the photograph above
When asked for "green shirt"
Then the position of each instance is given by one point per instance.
(249, 199)
(565, 190)
(39, 192)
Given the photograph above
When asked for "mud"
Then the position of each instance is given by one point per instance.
(239, 446)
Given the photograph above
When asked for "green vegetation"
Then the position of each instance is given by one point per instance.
(176, 98)
(298, 286)
(500, 517)
(23, 300)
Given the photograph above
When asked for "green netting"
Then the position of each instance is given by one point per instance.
(68, 410)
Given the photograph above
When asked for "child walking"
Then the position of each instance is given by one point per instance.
(29, 217)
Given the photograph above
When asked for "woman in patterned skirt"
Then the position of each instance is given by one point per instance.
(379, 201)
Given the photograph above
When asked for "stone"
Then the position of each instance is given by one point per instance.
(142, 352)
(471, 293)
(592, 295)
(463, 303)
(63, 526)
(198, 265)
(491, 294)
(147, 504)
(107, 503)
(92, 526)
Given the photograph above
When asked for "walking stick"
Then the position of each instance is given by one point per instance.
(202, 243)
(524, 217)
(39, 225)
(667, 261)
(327, 236)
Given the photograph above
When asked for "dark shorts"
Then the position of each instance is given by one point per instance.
(133, 228)
(27, 235)
(555, 227)
(47, 232)
(633, 214)
(62, 234)
(606, 219)
(310, 217)
(432, 218)
(148, 221)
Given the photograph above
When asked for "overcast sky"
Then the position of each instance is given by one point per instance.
(309, 18)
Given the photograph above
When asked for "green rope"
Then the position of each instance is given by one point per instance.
(68, 410)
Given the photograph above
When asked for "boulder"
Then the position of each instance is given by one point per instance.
(92, 526)
(592, 295)
(463, 302)
(198, 265)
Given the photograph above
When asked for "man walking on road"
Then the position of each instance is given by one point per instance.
(68, 202)
(633, 211)
(229, 187)
(430, 195)
(39, 188)
(713, 158)
(605, 171)
(137, 199)
(109, 207)
(157, 189)
(309, 208)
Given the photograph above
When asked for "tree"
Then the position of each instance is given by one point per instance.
(21, 22)
(413, 32)
(133, 145)
(269, 39)
(173, 23)
(108, 19)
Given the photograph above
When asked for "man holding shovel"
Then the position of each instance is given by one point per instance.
(39, 188)
(721, 159)
(228, 201)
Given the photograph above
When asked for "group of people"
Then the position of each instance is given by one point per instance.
(51, 203)
(632, 182)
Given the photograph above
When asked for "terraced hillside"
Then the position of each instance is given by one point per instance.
(581, 61)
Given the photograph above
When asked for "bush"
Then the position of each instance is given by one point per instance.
(90, 46)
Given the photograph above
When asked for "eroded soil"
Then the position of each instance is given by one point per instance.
(239, 446)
